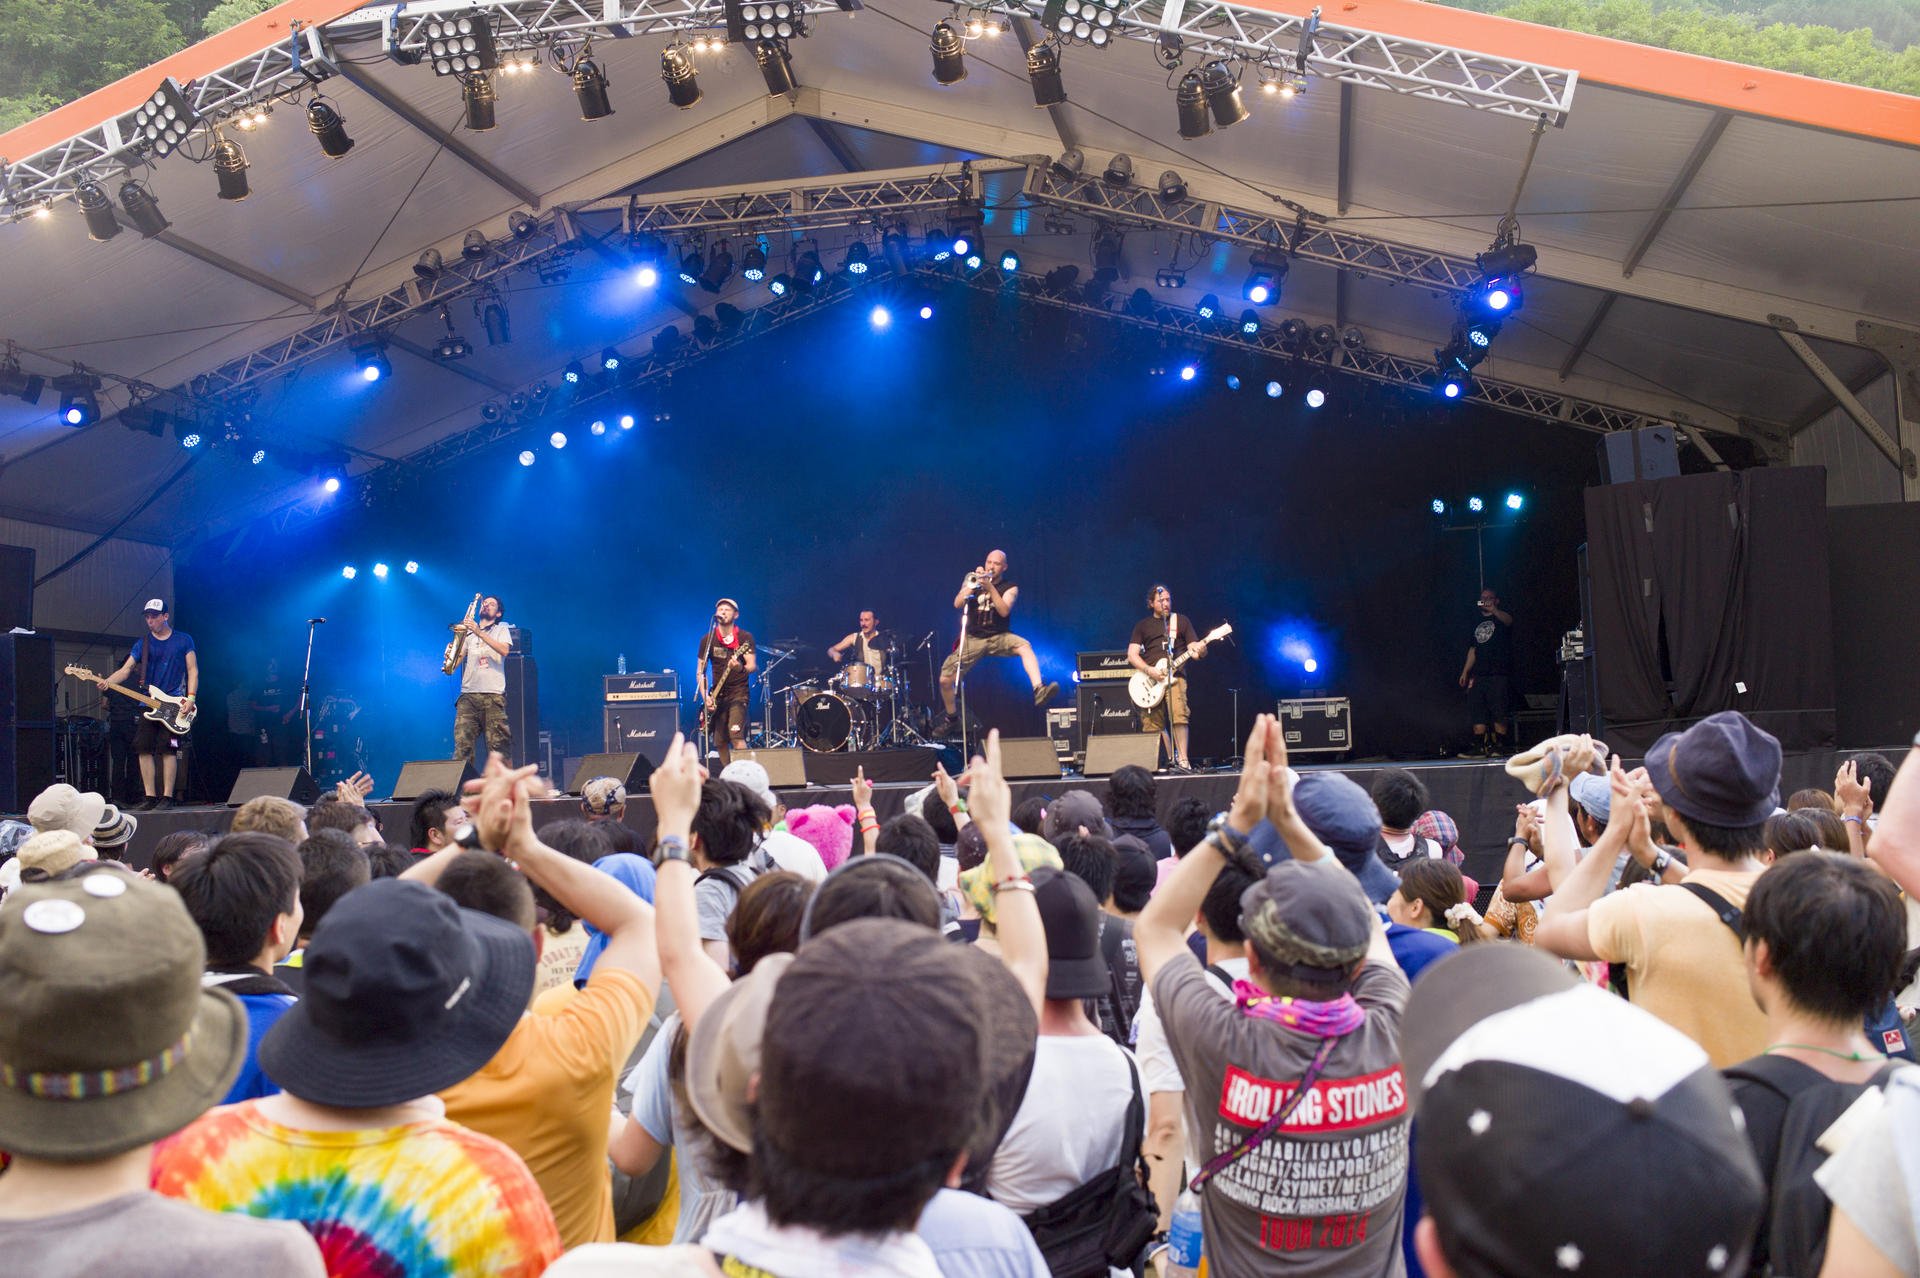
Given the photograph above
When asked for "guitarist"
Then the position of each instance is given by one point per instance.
(726, 660)
(165, 660)
(1162, 632)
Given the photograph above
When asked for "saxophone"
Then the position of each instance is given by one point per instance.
(456, 653)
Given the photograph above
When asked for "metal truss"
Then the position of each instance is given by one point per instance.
(1269, 43)
(852, 200)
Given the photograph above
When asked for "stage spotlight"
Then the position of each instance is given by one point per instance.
(429, 264)
(259, 455)
(1316, 390)
(1069, 163)
(1274, 390)
(590, 90)
(1119, 171)
(522, 225)
(776, 67)
(1500, 269)
(79, 400)
(558, 439)
(646, 276)
(1188, 372)
(142, 209)
(680, 76)
(371, 358)
(597, 428)
(1323, 338)
(626, 421)
(1106, 253)
(349, 572)
(526, 457)
(1515, 501)
(780, 285)
(573, 372)
(230, 169)
(165, 118)
(753, 264)
(973, 261)
(18, 383)
(1222, 88)
(192, 439)
(609, 359)
(1265, 278)
(692, 264)
(1043, 72)
(855, 262)
(1009, 261)
(1352, 339)
(1140, 303)
(809, 272)
(380, 570)
(667, 342)
(719, 270)
(1310, 665)
(1190, 102)
(331, 484)
(1475, 505)
(413, 565)
(1437, 506)
(97, 208)
(880, 317)
(1167, 277)
(1209, 307)
(538, 393)
(1173, 187)
(705, 330)
(478, 97)
(926, 311)
(949, 54)
(1249, 323)
(1293, 335)
(474, 245)
(328, 128)
(1233, 381)
(728, 317)
(461, 44)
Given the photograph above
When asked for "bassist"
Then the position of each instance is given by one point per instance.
(165, 660)
(1163, 631)
(726, 659)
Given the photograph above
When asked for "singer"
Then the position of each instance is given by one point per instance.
(482, 705)
(987, 598)
(1484, 676)
(726, 659)
(1156, 637)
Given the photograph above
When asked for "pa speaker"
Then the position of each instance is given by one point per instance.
(785, 767)
(630, 770)
(1028, 758)
(645, 728)
(421, 775)
(1108, 753)
(1651, 452)
(281, 783)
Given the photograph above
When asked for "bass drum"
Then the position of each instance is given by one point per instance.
(824, 722)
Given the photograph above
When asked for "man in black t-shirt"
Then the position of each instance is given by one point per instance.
(1146, 649)
(987, 597)
(165, 659)
(725, 660)
(1485, 675)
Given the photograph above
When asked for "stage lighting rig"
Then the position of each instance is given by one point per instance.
(762, 24)
(474, 246)
(1168, 277)
(1043, 73)
(949, 54)
(609, 359)
(428, 265)
(1085, 21)
(855, 262)
(1249, 322)
(776, 67)
(96, 206)
(1318, 387)
(1266, 276)
(230, 168)
(142, 209)
(780, 285)
(79, 397)
(493, 316)
(478, 97)
(753, 263)
(165, 119)
(461, 43)
(590, 90)
(693, 265)
(1173, 187)
(807, 271)
(1293, 335)
(1069, 163)
(1106, 252)
(371, 359)
(897, 247)
(18, 384)
(522, 225)
(719, 269)
(573, 374)
(1222, 88)
(1119, 170)
(451, 345)
(324, 122)
(1498, 291)
(1209, 308)
(1322, 339)
(680, 76)
(1190, 102)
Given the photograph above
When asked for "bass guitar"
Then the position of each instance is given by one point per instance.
(1147, 692)
(174, 712)
(713, 694)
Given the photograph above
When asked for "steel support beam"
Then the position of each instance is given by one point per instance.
(1587, 334)
(1845, 397)
(1676, 190)
(836, 143)
(445, 138)
(220, 262)
(1343, 173)
(1900, 347)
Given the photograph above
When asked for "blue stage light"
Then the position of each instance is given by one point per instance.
(1439, 507)
(333, 484)
(1310, 665)
(1209, 307)
(1499, 298)
(1233, 381)
(880, 317)
(780, 285)
(380, 570)
(926, 312)
(1316, 397)
(259, 455)
(526, 457)
(190, 440)
(572, 373)
(1259, 294)
(962, 245)
(1187, 372)
(1009, 261)
(558, 439)
(1475, 505)
(599, 427)
(646, 277)
(1451, 388)
(349, 572)
(1515, 501)
(609, 359)
(1249, 323)
(973, 261)
(413, 565)
(626, 421)
(1273, 390)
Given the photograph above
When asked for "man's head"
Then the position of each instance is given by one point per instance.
(61, 807)
(1592, 805)
(100, 981)
(157, 617)
(1400, 796)
(867, 621)
(1070, 915)
(912, 840)
(767, 918)
(1187, 823)
(726, 612)
(1308, 926)
(271, 814)
(1135, 875)
(1131, 793)
(1506, 1055)
(45, 856)
(491, 610)
(350, 819)
(876, 1026)
(480, 881)
(727, 822)
(244, 892)
(1718, 782)
(872, 887)
(1219, 917)
(1875, 771)
(752, 774)
(436, 815)
(1489, 599)
(995, 563)
(174, 848)
(1072, 812)
(1160, 600)
(603, 799)
(1030, 814)
(1090, 858)
(331, 865)
(1826, 933)
(1340, 814)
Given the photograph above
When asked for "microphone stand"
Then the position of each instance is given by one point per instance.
(306, 694)
(960, 675)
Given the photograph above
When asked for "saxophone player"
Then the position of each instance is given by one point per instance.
(482, 705)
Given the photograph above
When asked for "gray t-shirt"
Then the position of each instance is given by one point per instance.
(486, 670)
(1866, 1178)
(1322, 1196)
(147, 1235)
(714, 897)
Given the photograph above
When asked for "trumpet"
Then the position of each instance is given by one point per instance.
(456, 653)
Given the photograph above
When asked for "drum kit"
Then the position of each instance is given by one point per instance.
(855, 706)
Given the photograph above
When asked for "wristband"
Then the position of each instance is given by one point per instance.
(1855, 820)
(671, 847)
(1662, 861)
(1517, 840)
(1022, 884)
(865, 809)
(1224, 836)
(957, 807)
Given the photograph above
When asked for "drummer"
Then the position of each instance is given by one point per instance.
(867, 643)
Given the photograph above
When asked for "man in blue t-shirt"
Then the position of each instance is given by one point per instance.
(165, 660)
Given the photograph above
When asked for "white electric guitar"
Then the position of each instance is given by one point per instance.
(1147, 691)
(161, 708)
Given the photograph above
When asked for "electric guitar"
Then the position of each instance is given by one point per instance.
(1147, 692)
(174, 712)
(713, 694)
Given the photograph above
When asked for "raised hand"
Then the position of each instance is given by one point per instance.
(862, 789)
(992, 802)
(675, 786)
(1256, 781)
(1855, 795)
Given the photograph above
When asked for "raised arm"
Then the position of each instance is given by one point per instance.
(1023, 941)
(691, 973)
(1895, 845)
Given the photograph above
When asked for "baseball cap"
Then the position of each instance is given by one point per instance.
(155, 605)
(602, 795)
(54, 852)
(728, 602)
(1594, 793)
(1311, 917)
(752, 774)
(1071, 918)
(1721, 771)
(61, 807)
(1074, 809)
(106, 1034)
(1530, 1088)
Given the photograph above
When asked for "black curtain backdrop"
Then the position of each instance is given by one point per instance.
(825, 468)
(1704, 586)
(1875, 557)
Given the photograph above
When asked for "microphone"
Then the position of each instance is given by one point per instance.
(316, 621)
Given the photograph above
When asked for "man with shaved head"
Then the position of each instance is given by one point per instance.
(987, 597)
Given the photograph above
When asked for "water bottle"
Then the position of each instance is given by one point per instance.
(1184, 1244)
(621, 668)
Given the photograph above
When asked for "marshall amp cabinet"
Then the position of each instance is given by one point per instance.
(1100, 695)
(643, 687)
(641, 714)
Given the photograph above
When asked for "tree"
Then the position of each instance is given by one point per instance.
(230, 13)
(53, 51)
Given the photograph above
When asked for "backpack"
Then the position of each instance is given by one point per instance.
(1793, 1238)
(1106, 1221)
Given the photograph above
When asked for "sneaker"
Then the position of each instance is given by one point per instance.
(146, 804)
(1045, 693)
(165, 803)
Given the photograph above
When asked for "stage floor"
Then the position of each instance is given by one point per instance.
(1477, 794)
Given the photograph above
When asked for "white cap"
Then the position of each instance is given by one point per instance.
(155, 605)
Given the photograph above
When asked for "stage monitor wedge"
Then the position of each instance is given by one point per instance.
(1029, 759)
(281, 783)
(630, 770)
(786, 766)
(418, 776)
(1108, 752)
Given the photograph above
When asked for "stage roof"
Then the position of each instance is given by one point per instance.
(1686, 212)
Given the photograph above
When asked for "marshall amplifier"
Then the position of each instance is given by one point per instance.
(1104, 707)
(1317, 725)
(1101, 666)
(645, 729)
(642, 686)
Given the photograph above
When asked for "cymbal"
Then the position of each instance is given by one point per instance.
(789, 643)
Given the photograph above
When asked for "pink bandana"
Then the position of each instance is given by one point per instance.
(1323, 1020)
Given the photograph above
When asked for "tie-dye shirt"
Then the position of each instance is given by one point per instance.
(424, 1200)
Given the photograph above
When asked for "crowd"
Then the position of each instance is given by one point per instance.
(1068, 1037)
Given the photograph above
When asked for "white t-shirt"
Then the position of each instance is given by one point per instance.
(784, 851)
(1068, 1128)
(1158, 1072)
(1403, 846)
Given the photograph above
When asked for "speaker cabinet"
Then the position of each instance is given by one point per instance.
(16, 588)
(1028, 758)
(785, 767)
(418, 776)
(1104, 708)
(1109, 752)
(641, 728)
(26, 719)
(630, 770)
(1650, 452)
(523, 703)
(281, 783)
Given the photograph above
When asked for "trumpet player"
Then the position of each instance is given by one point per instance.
(986, 601)
(482, 706)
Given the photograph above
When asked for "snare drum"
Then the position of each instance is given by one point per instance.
(824, 722)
